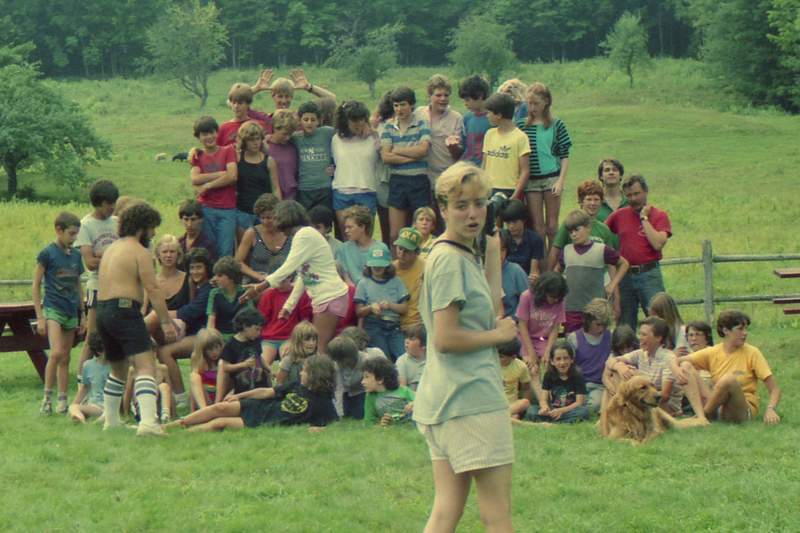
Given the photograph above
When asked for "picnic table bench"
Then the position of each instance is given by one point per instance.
(18, 333)
(785, 273)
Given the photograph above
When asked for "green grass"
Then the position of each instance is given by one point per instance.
(723, 172)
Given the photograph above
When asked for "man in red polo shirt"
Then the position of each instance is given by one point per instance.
(643, 231)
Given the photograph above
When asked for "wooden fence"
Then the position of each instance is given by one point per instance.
(707, 259)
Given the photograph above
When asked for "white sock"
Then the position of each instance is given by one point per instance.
(146, 392)
(112, 399)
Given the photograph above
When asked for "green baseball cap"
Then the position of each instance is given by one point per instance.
(410, 239)
(379, 257)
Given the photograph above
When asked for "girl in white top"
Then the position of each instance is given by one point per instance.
(311, 258)
(356, 152)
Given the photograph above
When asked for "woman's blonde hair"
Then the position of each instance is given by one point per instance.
(541, 91)
(249, 131)
(284, 119)
(206, 340)
(167, 240)
(303, 331)
(515, 88)
(453, 180)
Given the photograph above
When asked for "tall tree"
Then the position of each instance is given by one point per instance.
(626, 45)
(481, 46)
(784, 18)
(738, 52)
(62, 139)
(370, 59)
(185, 44)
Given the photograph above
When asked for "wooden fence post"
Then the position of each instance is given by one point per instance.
(708, 289)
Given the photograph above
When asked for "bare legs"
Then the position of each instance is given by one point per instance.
(325, 323)
(57, 370)
(494, 497)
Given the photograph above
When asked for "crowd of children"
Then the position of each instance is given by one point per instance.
(286, 324)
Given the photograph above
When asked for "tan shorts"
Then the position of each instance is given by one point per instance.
(471, 442)
(541, 184)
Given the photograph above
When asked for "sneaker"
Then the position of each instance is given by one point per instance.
(62, 407)
(47, 407)
(150, 430)
(165, 418)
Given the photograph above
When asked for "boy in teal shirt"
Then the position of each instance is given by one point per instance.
(315, 168)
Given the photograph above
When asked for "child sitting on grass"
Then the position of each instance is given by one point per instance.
(380, 300)
(88, 401)
(307, 402)
(302, 344)
(350, 371)
(208, 346)
(516, 378)
(592, 346)
(59, 264)
(223, 300)
(540, 314)
(241, 363)
(387, 402)
(411, 364)
(564, 391)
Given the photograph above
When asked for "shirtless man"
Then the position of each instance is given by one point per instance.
(125, 273)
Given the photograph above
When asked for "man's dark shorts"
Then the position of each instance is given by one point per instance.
(409, 192)
(121, 326)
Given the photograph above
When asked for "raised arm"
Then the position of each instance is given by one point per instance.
(657, 239)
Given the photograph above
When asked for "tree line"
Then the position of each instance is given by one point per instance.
(752, 47)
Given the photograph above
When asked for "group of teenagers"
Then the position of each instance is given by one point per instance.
(454, 319)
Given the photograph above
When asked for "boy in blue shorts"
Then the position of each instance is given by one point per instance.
(404, 148)
(59, 264)
(313, 144)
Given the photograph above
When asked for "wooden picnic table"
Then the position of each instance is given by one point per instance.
(787, 272)
(18, 333)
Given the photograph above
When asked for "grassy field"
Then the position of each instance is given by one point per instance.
(723, 172)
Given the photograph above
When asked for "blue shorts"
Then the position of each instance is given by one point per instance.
(246, 220)
(343, 201)
(409, 192)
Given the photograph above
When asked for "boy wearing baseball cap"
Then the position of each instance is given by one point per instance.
(381, 299)
(409, 267)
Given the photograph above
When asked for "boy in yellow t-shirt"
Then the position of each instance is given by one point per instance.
(505, 148)
(516, 378)
(735, 367)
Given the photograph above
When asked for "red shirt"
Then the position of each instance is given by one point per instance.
(221, 197)
(227, 132)
(270, 305)
(633, 243)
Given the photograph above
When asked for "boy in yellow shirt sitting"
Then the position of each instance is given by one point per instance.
(736, 368)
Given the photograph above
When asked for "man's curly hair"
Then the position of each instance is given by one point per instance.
(140, 216)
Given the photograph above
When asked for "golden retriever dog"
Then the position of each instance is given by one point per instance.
(633, 414)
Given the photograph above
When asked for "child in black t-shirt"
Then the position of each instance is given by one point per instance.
(564, 391)
(241, 363)
(310, 401)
